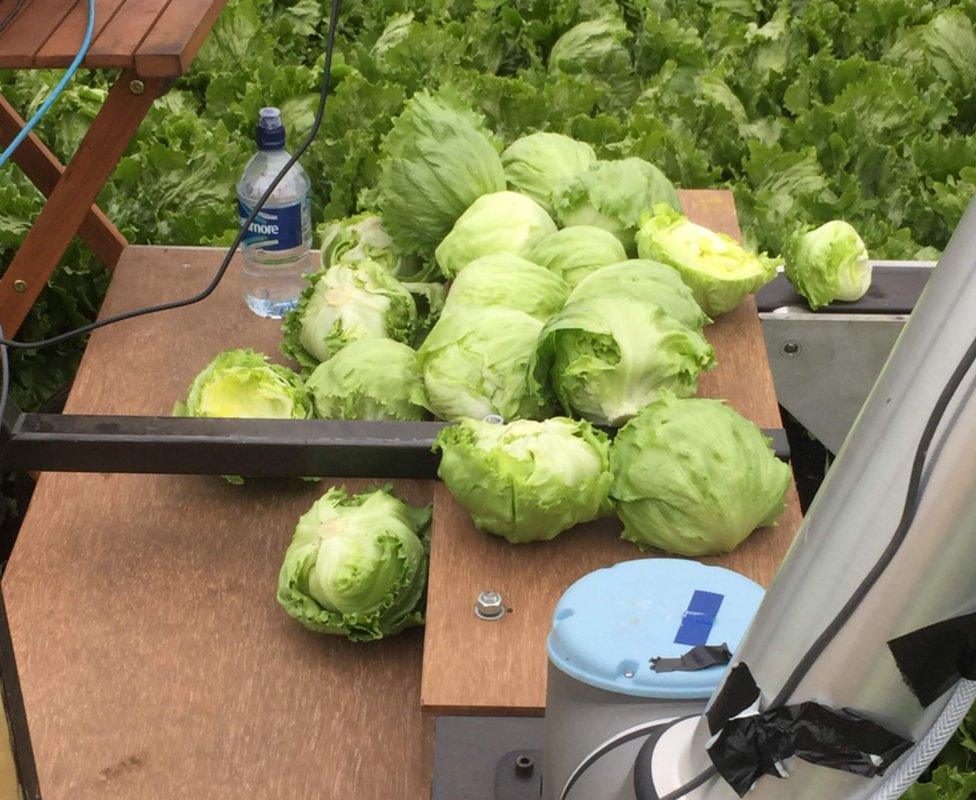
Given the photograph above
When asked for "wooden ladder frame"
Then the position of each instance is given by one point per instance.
(71, 192)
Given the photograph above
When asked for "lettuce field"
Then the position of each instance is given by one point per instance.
(809, 111)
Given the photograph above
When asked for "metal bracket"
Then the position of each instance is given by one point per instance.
(475, 758)
(825, 362)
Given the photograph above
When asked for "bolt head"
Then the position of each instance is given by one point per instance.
(137, 86)
(524, 765)
(790, 349)
(20, 286)
(489, 605)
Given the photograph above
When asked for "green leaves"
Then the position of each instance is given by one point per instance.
(613, 195)
(357, 565)
(343, 304)
(628, 332)
(371, 378)
(828, 263)
(477, 362)
(527, 481)
(500, 222)
(809, 111)
(693, 477)
(717, 269)
(242, 384)
(438, 159)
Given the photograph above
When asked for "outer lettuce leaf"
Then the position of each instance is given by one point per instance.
(608, 357)
(693, 477)
(503, 222)
(438, 159)
(648, 281)
(371, 378)
(828, 263)
(242, 384)
(575, 252)
(357, 565)
(362, 238)
(615, 196)
(508, 281)
(477, 362)
(945, 47)
(594, 49)
(717, 269)
(536, 164)
(948, 783)
(343, 304)
(527, 481)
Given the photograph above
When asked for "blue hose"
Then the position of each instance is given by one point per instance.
(53, 95)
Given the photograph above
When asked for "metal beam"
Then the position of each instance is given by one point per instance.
(246, 447)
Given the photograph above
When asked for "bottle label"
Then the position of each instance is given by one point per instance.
(275, 228)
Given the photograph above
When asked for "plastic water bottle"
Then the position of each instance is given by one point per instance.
(277, 244)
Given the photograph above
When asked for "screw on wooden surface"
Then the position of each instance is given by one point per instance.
(489, 605)
(20, 286)
(136, 86)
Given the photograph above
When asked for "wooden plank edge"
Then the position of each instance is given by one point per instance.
(158, 58)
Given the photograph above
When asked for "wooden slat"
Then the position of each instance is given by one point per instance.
(72, 198)
(177, 37)
(45, 170)
(117, 44)
(61, 47)
(6, 6)
(31, 29)
(155, 662)
(476, 667)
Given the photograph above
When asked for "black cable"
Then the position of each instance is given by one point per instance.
(222, 269)
(909, 510)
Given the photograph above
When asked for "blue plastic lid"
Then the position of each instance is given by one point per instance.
(271, 130)
(610, 623)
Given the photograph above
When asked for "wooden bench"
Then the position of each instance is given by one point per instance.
(152, 42)
(154, 660)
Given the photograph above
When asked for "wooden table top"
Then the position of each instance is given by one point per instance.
(155, 662)
(476, 667)
(156, 38)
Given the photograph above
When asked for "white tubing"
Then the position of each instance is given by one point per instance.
(931, 745)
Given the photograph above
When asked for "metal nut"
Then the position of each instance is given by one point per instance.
(489, 606)
(524, 765)
(790, 349)
(136, 86)
(20, 286)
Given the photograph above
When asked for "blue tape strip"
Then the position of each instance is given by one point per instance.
(698, 619)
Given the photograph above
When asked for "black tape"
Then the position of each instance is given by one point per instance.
(749, 747)
(738, 692)
(934, 658)
(701, 657)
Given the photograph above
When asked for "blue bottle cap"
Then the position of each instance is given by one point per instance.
(610, 624)
(270, 130)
